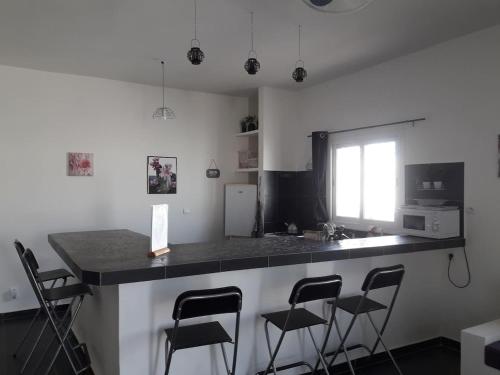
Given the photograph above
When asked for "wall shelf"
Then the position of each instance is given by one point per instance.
(248, 134)
(246, 170)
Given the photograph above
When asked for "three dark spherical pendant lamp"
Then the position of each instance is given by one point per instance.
(252, 66)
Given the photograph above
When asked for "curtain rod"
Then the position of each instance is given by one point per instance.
(412, 121)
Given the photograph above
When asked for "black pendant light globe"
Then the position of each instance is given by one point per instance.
(300, 73)
(252, 65)
(195, 55)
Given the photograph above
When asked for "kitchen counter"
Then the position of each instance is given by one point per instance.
(120, 256)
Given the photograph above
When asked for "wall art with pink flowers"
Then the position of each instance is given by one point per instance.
(80, 164)
(162, 175)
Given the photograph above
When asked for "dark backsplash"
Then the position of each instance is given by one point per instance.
(287, 197)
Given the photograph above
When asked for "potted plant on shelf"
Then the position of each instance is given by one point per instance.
(249, 123)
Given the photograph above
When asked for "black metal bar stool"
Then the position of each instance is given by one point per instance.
(360, 304)
(199, 303)
(305, 290)
(61, 326)
(52, 276)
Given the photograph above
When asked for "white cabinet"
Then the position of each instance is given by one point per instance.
(241, 203)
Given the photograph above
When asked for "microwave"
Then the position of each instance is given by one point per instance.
(432, 222)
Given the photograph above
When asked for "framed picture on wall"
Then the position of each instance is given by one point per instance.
(80, 164)
(162, 175)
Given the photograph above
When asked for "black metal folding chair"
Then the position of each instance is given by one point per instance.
(52, 276)
(360, 304)
(305, 290)
(61, 326)
(199, 303)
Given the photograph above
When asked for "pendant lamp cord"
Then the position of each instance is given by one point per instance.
(195, 20)
(251, 29)
(300, 29)
(163, 82)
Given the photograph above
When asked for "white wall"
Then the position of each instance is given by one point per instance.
(279, 126)
(45, 115)
(456, 85)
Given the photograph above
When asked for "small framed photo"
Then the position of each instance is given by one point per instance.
(80, 164)
(162, 175)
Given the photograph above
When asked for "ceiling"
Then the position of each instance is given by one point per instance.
(120, 39)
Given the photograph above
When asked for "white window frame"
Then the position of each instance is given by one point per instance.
(362, 138)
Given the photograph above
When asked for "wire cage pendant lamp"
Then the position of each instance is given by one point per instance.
(195, 55)
(300, 73)
(163, 113)
(252, 65)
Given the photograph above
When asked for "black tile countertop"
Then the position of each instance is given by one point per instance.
(120, 256)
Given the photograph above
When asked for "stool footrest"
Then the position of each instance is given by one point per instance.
(349, 348)
(287, 367)
(83, 354)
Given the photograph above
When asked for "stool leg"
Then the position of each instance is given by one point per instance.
(224, 355)
(60, 322)
(169, 356)
(320, 354)
(35, 345)
(342, 342)
(27, 332)
(62, 340)
(386, 320)
(236, 342)
(383, 344)
(275, 353)
(327, 336)
(33, 322)
(351, 369)
(266, 328)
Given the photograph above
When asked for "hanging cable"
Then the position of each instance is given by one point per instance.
(195, 20)
(251, 30)
(163, 82)
(300, 29)
(467, 283)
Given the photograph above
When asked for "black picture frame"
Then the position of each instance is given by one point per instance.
(161, 174)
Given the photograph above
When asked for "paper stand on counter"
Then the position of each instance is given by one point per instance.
(159, 230)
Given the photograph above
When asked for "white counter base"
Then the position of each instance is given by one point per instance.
(123, 325)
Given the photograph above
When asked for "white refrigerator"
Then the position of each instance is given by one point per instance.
(240, 209)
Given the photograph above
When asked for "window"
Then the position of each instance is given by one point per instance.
(365, 181)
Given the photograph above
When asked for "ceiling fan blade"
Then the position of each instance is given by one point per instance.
(321, 3)
(338, 6)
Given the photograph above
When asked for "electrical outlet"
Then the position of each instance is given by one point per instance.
(13, 293)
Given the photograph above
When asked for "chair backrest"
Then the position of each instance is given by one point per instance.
(383, 277)
(21, 251)
(30, 266)
(316, 288)
(196, 303)
(19, 247)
